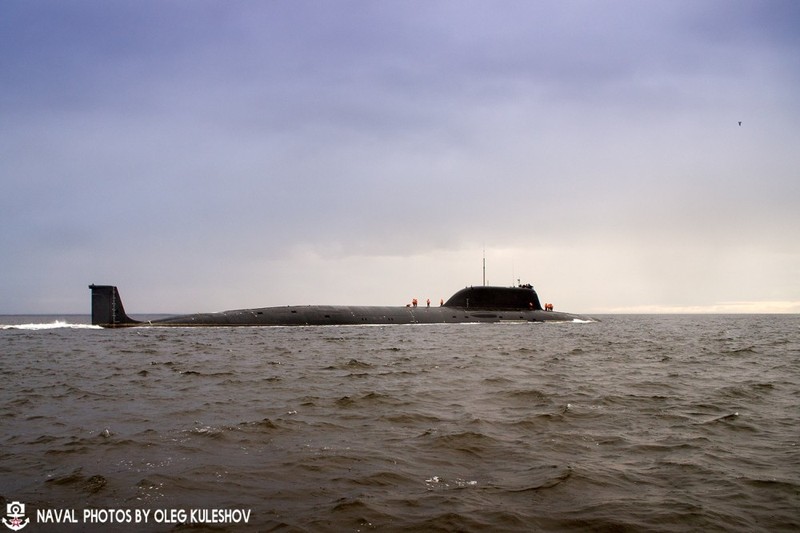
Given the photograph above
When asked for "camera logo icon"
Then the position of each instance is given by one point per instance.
(16, 516)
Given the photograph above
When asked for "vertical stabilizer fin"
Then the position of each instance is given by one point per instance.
(107, 310)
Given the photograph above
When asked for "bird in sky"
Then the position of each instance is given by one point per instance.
(740, 122)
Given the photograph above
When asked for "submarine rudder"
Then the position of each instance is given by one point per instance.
(107, 308)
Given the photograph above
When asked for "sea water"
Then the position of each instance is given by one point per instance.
(632, 423)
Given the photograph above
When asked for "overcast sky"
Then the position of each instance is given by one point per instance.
(211, 155)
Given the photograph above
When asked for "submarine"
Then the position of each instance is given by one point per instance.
(471, 304)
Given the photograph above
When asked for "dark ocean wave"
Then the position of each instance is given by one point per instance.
(630, 424)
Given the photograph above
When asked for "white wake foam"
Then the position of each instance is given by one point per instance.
(58, 324)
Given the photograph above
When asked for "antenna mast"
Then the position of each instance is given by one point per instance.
(484, 267)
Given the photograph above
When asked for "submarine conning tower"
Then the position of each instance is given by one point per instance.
(482, 297)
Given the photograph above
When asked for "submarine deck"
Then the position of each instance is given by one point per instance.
(352, 315)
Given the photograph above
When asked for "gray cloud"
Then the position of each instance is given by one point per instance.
(156, 145)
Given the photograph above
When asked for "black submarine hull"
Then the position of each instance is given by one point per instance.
(472, 304)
